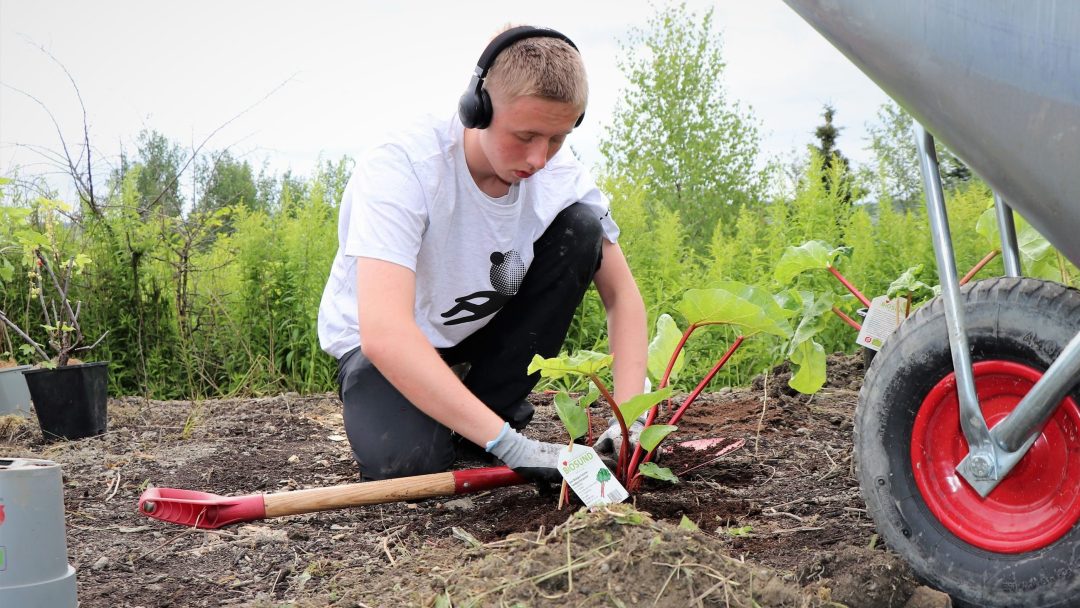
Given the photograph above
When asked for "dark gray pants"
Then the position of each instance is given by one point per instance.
(390, 437)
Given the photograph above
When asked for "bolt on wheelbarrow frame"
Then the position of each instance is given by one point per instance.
(992, 452)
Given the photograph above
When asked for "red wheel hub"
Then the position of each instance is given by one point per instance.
(1036, 503)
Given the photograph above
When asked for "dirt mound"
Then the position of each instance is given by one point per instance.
(615, 557)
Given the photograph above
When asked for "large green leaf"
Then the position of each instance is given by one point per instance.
(662, 347)
(573, 416)
(751, 309)
(651, 469)
(654, 434)
(583, 362)
(809, 360)
(811, 255)
(762, 297)
(639, 404)
(813, 316)
(1039, 259)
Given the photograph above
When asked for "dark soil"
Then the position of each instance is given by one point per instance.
(780, 521)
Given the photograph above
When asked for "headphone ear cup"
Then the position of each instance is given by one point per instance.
(474, 109)
(484, 110)
(468, 109)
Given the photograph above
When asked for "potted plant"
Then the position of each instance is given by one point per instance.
(69, 396)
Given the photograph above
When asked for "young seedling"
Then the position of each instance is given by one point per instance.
(590, 364)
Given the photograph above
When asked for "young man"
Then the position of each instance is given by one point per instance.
(465, 246)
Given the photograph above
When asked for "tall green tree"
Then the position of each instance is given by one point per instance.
(159, 163)
(225, 181)
(676, 133)
(835, 167)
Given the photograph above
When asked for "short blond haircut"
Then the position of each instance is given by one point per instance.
(541, 67)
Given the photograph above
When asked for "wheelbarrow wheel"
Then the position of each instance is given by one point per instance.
(1021, 545)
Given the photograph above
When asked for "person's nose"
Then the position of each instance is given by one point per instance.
(537, 155)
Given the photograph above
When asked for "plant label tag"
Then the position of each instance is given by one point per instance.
(589, 477)
(881, 320)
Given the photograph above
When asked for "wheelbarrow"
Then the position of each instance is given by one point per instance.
(967, 431)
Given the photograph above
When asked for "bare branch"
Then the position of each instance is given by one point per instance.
(71, 168)
(96, 342)
(40, 350)
(86, 128)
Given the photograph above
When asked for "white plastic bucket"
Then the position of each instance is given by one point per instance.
(34, 571)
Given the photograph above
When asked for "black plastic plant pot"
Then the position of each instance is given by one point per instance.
(70, 401)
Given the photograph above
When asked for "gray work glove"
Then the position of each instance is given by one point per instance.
(534, 460)
(610, 440)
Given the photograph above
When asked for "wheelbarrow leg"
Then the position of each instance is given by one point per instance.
(1010, 252)
(982, 463)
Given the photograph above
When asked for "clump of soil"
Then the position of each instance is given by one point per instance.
(617, 556)
(786, 502)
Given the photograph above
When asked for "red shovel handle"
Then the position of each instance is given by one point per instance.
(205, 510)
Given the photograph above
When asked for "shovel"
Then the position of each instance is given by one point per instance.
(210, 511)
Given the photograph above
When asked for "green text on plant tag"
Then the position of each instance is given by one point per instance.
(589, 477)
(881, 321)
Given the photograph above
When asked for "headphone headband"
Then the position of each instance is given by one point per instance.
(509, 37)
(474, 107)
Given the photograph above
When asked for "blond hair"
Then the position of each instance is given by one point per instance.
(541, 67)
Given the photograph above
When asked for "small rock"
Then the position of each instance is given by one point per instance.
(925, 597)
(460, 504)
(100, 564)
(294, 458)
(724, 390)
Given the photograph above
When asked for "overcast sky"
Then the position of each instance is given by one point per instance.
(327, 78)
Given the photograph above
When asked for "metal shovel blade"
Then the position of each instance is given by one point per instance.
(200, 509)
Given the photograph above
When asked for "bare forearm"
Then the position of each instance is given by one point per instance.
(629, 342)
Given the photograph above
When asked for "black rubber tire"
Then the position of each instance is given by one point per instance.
(1023, 320)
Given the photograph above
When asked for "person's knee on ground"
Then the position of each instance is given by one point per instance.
(389, 436)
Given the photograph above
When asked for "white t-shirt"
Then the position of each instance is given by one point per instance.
(413, 202)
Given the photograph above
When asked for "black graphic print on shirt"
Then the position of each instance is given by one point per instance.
(507, 272)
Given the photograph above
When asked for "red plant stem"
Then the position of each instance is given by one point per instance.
(625, 447)
(632, 468)
(675, 355)
(855, 292)
(983, 262)
(847, 319)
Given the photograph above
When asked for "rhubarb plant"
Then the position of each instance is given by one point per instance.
(749, 309)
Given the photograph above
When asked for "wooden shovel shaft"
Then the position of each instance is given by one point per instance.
(357, 494)
(388, 490)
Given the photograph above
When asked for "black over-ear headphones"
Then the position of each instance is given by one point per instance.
(474, 107)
